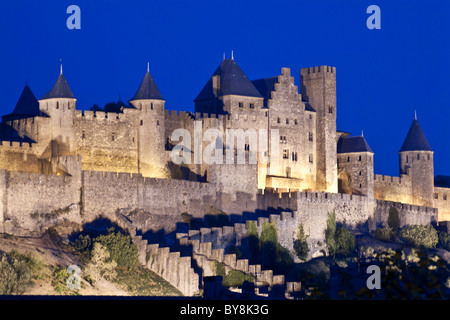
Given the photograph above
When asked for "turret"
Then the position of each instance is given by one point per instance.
(318, 88)
(416, 161)
(59, 104)
(228, 91)
(151, 144)
(355, 166)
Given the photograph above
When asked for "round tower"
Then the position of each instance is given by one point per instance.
(59, 105)
(151, 143)
(416, 161)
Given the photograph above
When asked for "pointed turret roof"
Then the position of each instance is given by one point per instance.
(349, 144)
(232, 81)
(61, 89)
(415, 139)
(27, 104)
(148, 89)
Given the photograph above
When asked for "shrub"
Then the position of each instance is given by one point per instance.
(345, 241)
(301, 245)
(384, 234)
(330, 233)
(444, 240)
(120, 247)
(15, 275)
(420, 236)
(236, 278)
(394, 220)
(100, 265)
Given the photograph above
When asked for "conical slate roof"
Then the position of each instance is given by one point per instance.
(27, 104)
(353, 144)
(415, 140)
(61, 89)
(148, 89)
(232, 81)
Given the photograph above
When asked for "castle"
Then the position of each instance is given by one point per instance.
(60, 165)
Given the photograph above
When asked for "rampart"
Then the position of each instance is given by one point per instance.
(390, 188)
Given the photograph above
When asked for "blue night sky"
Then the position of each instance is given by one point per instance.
(382, 75)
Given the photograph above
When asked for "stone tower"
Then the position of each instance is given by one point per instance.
(59, 104)
(228, 91)
(318, 88)
(416, 161)
(151, 145)
(355, 166)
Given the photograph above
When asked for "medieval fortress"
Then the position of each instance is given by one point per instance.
(62, 167)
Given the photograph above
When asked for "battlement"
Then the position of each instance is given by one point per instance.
(407, 207)
(389, 179)
(127, 177)
(317, 69)
(101, 116)
(16, 146)
(174, 115)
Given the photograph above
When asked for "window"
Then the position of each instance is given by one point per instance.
(241, 104)
(285, 154)
(436, 196)
(360, 185)
(283, 139)
(252, 106)
(444, 197)
(151, 106)
(429, 157)
(278, 120)
(406, 159)
(157, 122)
(295, 122)
(330, 109)
(57, 105)
(294, 156)
(418, 156)
(112, 137)
(310, 158)
(360, 173)
(348, 159)
(142, 122)
(140, 106)
(266, 113)
(359, 158)
(287, 121)
(83, 135)
(310, 136)
(247, 147)
(310, 116)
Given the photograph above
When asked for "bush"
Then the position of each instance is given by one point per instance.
(100, 265)
(394, 220)
(444, 240)
(330, 233)
(384, 234)
(15, 275)
(301, 245)
(120, 247)
(345, 241)
(420, 236)
(236, 278)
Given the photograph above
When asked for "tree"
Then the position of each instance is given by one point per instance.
(301, 245)
(330, 233)
(100, 265)
(345, 241)
(394, 220)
